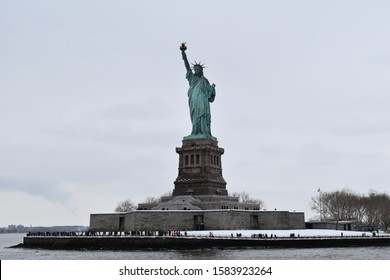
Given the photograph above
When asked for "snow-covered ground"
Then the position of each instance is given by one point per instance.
(282, 233)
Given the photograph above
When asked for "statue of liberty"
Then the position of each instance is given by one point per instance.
(200, 94)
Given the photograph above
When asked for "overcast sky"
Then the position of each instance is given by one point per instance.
(94, 100)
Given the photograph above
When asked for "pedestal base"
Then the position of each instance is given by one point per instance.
(200, 168)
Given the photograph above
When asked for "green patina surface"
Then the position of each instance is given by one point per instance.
(200, 94)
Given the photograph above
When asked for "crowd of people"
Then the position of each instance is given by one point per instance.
(56, 233)
(107, 233)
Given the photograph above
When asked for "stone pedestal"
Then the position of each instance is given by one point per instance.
(200, 169)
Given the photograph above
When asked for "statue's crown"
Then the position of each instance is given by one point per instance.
(198, 64)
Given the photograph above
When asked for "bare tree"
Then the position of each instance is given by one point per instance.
(358, 204)
(151, 200)
(245, 198)
(378, 210)
(385, 216)
(167, 193)
(156, 199)
(372, 209)
(318, 204)
(125, 206)
(342, 205)
(337, 205)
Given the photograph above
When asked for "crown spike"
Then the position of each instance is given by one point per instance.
(197, 64)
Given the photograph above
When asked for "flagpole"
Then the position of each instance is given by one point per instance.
(320, 199)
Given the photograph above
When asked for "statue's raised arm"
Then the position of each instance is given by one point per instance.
(200, 95)
(184, 56)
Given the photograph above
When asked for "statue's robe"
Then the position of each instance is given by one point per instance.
(200, 94)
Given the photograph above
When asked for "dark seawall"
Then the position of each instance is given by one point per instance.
(179, 242)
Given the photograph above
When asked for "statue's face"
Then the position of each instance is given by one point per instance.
(198, 70)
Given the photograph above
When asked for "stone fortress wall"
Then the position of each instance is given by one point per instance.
(155, 220)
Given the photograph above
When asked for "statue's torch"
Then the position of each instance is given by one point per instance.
(183, 46)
